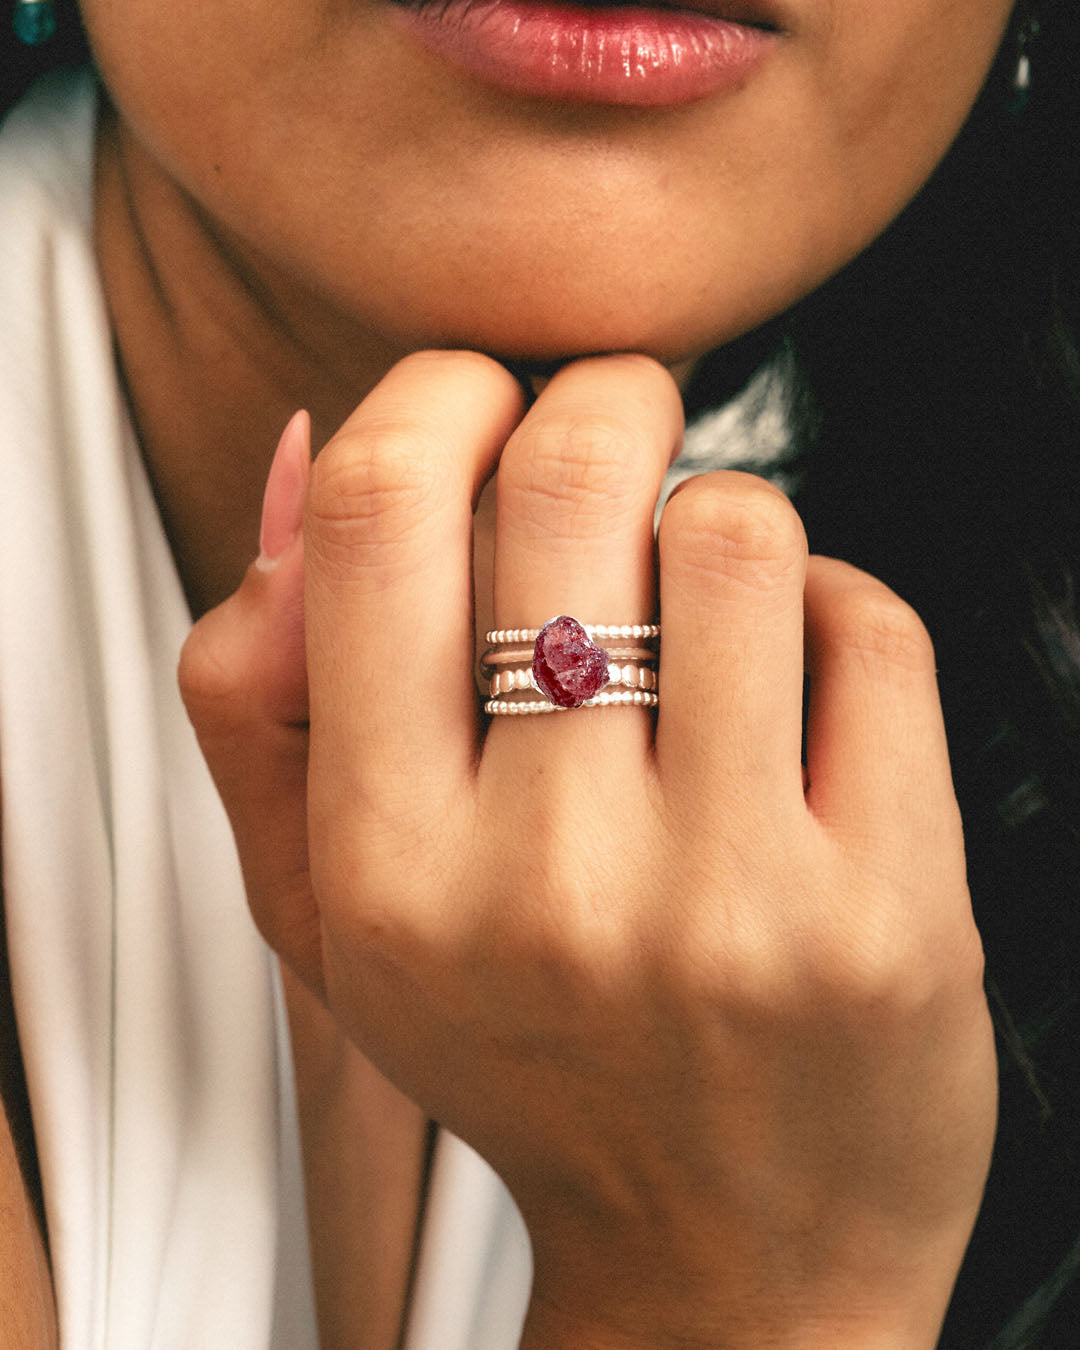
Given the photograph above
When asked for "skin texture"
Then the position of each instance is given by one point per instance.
(286, 206)
(277, 227)
(413, 161)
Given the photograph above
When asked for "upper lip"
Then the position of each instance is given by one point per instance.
(752, 13)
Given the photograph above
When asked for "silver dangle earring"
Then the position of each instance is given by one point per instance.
(34, 21)
(1021, 84)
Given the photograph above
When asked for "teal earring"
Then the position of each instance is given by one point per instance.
(1021, 83)
(34, 21)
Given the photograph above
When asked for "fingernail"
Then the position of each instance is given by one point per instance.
(286, 485)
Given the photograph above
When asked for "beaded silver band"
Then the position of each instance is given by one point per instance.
(521, 677)
(598, 631)
(637, 698)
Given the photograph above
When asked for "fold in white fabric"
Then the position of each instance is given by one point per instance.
(148, 1008)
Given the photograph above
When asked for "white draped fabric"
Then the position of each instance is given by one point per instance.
(148, 1009)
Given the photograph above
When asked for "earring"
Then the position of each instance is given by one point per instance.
(1021, 83)
(34, 21)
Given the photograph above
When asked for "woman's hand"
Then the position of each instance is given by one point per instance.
(723, 1037)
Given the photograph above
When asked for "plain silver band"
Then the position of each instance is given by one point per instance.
(521, 678)
(638, 698)
(522, 656)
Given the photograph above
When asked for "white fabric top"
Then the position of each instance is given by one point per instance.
(148, 1009)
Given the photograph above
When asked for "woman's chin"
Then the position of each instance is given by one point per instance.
(540, 347)
(542, 316)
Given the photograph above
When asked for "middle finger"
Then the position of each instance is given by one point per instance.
(577, 488)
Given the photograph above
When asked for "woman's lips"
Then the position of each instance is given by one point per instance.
(633, 55)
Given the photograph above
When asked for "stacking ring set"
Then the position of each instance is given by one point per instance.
(562, 665)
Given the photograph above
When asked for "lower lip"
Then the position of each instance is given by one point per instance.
(629, 55)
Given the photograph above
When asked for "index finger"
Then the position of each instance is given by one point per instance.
(388, 538)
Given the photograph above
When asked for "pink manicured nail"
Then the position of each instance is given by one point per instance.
(286, 485)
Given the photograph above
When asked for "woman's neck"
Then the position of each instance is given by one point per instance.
(216, 352)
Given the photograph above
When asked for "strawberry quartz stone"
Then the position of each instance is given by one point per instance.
(568, 666)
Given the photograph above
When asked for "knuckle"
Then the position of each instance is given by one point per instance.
(877, 625)
(566, 949)
(283, 909)
(739, 972)
(733, 526)
(889, 969)
(558, 955)
(872, 969)
(380, 941)
(381, 929)
(370, 487)
(963, 958)
(213, 684)
(365, 902)
(579, 467)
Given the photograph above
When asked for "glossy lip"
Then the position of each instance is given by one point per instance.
(631, 55)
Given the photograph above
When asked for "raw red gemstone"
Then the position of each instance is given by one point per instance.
(568, 666)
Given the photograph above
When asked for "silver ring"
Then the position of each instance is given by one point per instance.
(569, 668)
(603, 631)
(521, 678)
(495, 657)
(638, 698)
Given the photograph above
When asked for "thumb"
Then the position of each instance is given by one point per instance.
(243, 679)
